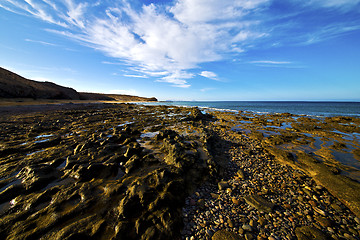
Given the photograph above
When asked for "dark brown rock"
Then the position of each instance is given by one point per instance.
(309, 233)
(259, 203)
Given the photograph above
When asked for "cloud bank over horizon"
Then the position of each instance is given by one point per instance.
(171, 41)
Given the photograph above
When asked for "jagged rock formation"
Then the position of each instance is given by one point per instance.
(101, 172)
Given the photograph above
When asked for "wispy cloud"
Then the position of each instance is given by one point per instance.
(210, 75)
(135, 76)
(277, 64)
(166, 41)
(171, 41)
(344, 4)
(330, 31)
(41, 42)
(207, 89)
(271, 62)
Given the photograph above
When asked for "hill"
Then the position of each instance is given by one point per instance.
(13, 85)
(114, 97)
(16, 86)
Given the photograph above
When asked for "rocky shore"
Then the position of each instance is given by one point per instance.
(126, 171)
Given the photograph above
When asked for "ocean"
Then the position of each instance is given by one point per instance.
(319, 109)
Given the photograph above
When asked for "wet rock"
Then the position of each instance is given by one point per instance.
(130, 151)
(11, 192)
(132, 164)
(166, 134)
(196, 114)
(36, 176)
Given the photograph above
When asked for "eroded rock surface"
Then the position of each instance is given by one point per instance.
(101, 172)
(154, 172)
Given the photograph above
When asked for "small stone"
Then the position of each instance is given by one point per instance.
(209, 232)
(249, 236)
(235, 201)
(240, 174)
(357, 220)
(225, 235)
(318, 210)
(349, 237)
(259, 203)
(201, 203)
(307, 232)
(231, 224)
(323, 221)
(223, 185)
(287, 206)
(313, 203)
(214, 195)
(336, 207)
(252, 223)
(247, 227)
(262, 221)
(353, 231)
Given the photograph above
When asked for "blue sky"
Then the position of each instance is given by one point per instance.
(188, 49)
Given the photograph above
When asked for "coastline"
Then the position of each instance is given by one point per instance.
(163, 151)
(306, 108)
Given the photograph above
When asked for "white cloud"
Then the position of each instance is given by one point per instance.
(41, 42)
(170, 41)
(194, 11)
(207, 89)
(209, 74)
(135, 76)
(277, 64)
(178, 79)
(335, 3)
(150, 38)
(75, 13)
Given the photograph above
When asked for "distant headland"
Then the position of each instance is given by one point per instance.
(13, 85)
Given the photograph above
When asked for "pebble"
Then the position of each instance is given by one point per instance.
(223, 185)
(247, 227)
(235, 201)
(299, 202)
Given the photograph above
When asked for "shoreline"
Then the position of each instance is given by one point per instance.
(270, 107)
(139, 158)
